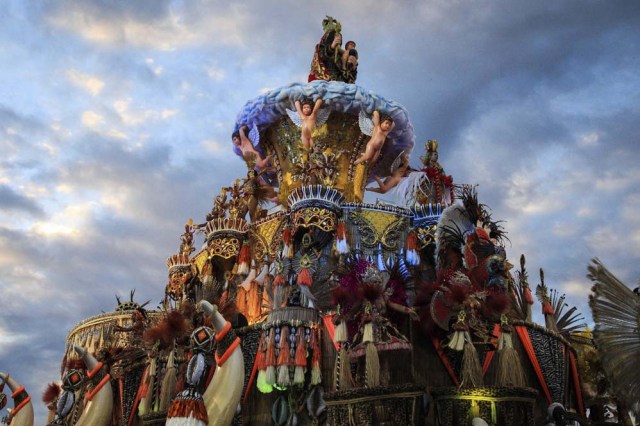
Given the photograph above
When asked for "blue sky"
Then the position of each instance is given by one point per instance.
(115, 120)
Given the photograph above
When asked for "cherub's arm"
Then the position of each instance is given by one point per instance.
(243, 134)
(299, 109)
(381, 186)
(376, 118)
(316, 107)
(403, 309)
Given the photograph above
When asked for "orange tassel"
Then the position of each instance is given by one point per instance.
(316, 373)
(244, 259)
(341, 238)
(279, 280)
(262, 348)
(300, 358)
(184, 407)
(411, 245)
(547, 309)
(412, 241)
(284, 357)
(301, 351)
(304, 277)
(270, 358)
(528, 297)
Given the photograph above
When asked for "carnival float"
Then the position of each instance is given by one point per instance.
(307, 305)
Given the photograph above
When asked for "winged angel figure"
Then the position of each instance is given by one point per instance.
(308, 116)
(378, 128)
(616, 312)
(247, 143)
(399, 170)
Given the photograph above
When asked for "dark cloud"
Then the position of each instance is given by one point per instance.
(13, 201)
(537, 103)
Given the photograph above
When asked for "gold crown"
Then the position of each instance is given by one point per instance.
(431, 145)
(178, 261)
(225, 225)
(315, 196)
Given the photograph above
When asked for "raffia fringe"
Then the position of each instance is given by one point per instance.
(471, 368)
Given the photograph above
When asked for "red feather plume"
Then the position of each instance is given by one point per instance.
(51, 393)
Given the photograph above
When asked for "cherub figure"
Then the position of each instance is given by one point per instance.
(399, 170)
(378, 128)
(308, 116)
(246, 144)
(350, 56)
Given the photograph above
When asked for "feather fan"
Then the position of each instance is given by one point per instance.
(616, 310)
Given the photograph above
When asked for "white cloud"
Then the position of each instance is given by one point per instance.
(589, 139)
(69, 223)
(135, 117)
(92, 119)
(215, 73)
(86, 82)
(212, 26)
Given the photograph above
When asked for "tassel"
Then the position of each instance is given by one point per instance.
(411, 247)
(372, 366)
(287, 240)
(367, 334)
(457, 340)
(279, 282)
(547, 309)
(528, 297)
(168, 383)
(471, 368)
(304, 277)
(342, 370)
(270, 359)
(187, 409)
(316, 373)
(509, 367)
(340, 335)
(244, 259)
(300, 359)
(341, 238)
(261, 366)
(284, 357)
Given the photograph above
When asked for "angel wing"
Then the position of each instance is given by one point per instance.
(254, 135)
(323, 116)
(366, 123)
(295, 117)
(616, 310)
(397, 162)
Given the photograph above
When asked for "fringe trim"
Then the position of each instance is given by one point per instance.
(372, 366)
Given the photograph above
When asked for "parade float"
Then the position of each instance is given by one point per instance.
(307, 305)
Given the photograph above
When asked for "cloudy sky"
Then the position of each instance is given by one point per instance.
(115, 116)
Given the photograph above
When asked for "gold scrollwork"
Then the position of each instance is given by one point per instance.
(319, 217)
(368, 234)
(379, 228)
(226, 248)
(426, 235)
(391, 236)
